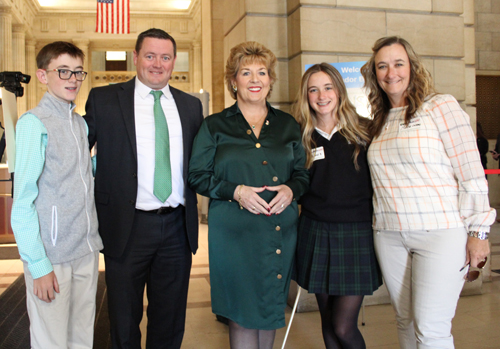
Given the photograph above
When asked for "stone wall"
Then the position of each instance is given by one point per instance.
(218, 61)
(487, 52)
(487, 13)
(264, 21)
(301, 32)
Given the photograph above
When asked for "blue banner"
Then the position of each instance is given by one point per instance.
(350, 72)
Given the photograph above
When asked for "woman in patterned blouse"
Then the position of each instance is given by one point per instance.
(431, 208)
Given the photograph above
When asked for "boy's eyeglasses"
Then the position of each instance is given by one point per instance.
(65, 74)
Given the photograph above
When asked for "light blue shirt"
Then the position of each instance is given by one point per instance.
(31, 141)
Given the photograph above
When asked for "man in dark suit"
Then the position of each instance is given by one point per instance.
(148, 218)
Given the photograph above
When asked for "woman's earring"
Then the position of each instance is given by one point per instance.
(235, 89)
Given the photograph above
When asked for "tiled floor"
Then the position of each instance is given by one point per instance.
(476, 325)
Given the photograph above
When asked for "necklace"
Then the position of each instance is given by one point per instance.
(258, 122)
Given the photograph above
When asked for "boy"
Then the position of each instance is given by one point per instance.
(53, 215)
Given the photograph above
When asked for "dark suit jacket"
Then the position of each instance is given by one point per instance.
(110, 118)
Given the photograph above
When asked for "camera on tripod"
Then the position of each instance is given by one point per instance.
(10, 84)
(11, 81)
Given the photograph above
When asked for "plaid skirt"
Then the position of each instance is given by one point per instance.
(336, 258)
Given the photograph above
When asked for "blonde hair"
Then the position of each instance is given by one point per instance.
(419, 88)
(351, 125)
(246, 53)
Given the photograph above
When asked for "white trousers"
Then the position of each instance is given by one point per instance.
(421, 270)
(68, 321)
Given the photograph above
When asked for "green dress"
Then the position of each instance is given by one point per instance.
(250, 255)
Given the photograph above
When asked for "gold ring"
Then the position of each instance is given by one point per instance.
(253, 207)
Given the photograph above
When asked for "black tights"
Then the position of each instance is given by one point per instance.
(339, 321)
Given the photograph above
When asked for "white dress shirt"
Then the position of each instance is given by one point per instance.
(326, 135)
(145, 137)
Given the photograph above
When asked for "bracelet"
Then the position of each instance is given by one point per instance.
(481, 235)
(239, 196)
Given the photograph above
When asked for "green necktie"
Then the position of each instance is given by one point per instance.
(163, 176)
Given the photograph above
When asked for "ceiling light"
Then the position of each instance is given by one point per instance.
(116, 55)
(47, 2)
(181, 4)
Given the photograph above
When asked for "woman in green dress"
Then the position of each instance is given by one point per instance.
(250, 161)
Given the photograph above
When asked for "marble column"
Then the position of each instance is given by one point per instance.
(206, 49)
(19, 62)
(81, 99)
(5, 39)
(196, 84)
(98, 61)
(31, 68)
(130, 61)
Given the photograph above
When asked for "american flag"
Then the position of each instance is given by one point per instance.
(113, 16)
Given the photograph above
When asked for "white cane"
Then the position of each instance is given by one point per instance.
(293, 314)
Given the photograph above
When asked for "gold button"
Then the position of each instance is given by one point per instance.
(275, 179)
(249, 132)
(278, 228)
(264, 162)
(278, 251)
(279, 277)
(257, 145)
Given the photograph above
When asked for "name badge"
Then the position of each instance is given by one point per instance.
(414, 124)
(318, 153)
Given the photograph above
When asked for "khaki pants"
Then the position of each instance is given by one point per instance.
(68, 321)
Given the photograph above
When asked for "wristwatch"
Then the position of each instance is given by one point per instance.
(481, 235)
